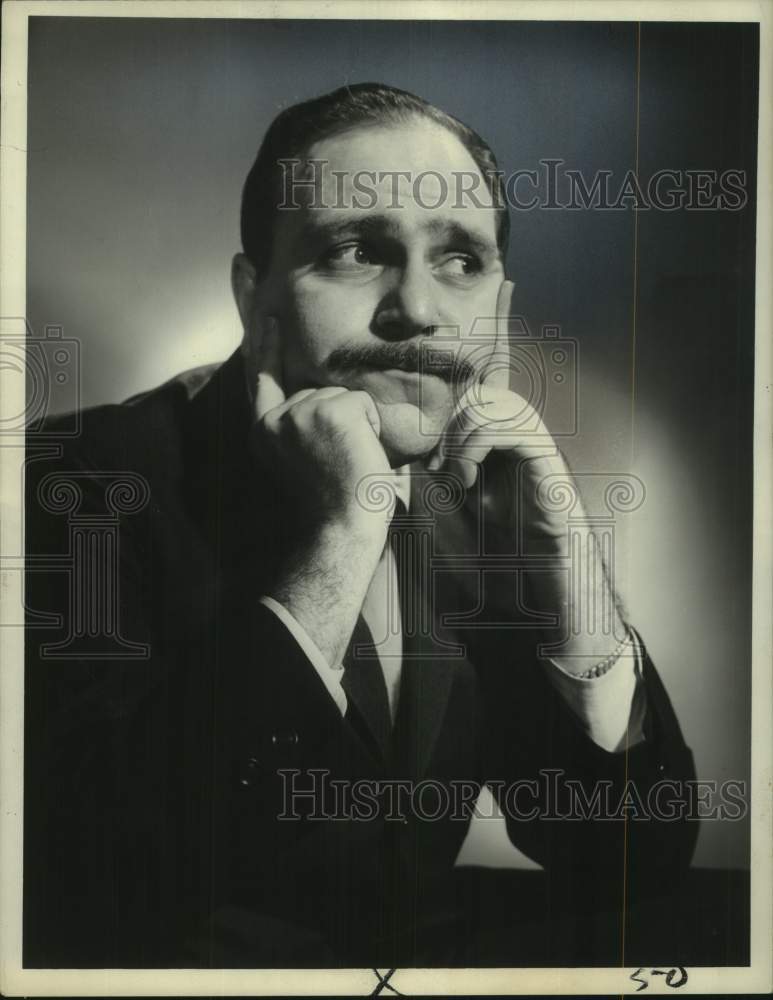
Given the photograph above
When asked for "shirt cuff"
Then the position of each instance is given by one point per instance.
(610, 708)
(330, 676)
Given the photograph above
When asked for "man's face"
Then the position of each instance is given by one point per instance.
(360, 284)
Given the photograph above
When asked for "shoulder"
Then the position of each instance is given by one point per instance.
(145, 432)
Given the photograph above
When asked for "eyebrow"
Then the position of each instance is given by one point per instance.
(381, 225)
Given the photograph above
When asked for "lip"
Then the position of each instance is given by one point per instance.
(395, 385)
(410, 374)
(404, 372)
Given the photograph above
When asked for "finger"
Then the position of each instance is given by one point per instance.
(458, 427)
(450, 444)
(361, 402)
(326, 392)
(501, 411)
(477, 446)
(275, 412)
(479, 407)
(371, 413)
(464, 469)
(496, 372)
(467, 458)
(300, 404)
(268, 385)
(498, 417)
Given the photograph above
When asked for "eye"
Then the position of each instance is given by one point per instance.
(349, 257)
(460, 265)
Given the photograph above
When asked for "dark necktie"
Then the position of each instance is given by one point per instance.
(365, 662)
(366, 693)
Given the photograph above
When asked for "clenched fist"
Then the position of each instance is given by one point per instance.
(319, 444)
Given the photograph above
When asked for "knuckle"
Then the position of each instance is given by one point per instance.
(362, 399)
(294, 421)
(327, 410)
(268, 423)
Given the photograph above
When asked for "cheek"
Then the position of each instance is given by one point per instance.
(320, 317)
(478, 326)
(480, 310)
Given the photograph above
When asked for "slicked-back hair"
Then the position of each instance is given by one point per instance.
(297, 128)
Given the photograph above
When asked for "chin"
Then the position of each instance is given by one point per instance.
(407, 432)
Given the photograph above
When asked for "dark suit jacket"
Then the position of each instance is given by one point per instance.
(151, 781)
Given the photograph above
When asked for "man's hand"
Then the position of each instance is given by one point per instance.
(488, 418)
(319, 444)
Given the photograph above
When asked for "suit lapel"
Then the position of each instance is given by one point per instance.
(425, 689)
(363, 682)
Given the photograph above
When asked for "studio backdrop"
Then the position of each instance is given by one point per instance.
(141, 132)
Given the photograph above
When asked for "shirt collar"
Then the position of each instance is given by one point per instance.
(402, 485)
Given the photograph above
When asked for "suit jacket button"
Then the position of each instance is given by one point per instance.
(250, 767)
(285, 739)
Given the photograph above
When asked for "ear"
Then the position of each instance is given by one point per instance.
(244, 286)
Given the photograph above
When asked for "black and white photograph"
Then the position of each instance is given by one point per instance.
(386, 498)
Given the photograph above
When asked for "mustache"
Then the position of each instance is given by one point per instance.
(407, 357)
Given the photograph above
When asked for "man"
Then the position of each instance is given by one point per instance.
(303, 633)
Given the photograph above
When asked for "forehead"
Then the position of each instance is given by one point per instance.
(418, 145)
(414, 174)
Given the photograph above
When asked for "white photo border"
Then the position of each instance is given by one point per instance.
(17, 981)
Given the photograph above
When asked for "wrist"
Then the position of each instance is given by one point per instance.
(592, 663)
(352, 531)
(324, 585)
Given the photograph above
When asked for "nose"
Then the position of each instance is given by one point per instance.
(409, 306)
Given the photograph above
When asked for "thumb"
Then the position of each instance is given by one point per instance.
(372, 414)
(496, 374)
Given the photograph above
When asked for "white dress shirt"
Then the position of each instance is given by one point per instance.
(610, 708)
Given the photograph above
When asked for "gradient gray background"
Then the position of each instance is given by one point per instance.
(141, 133)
